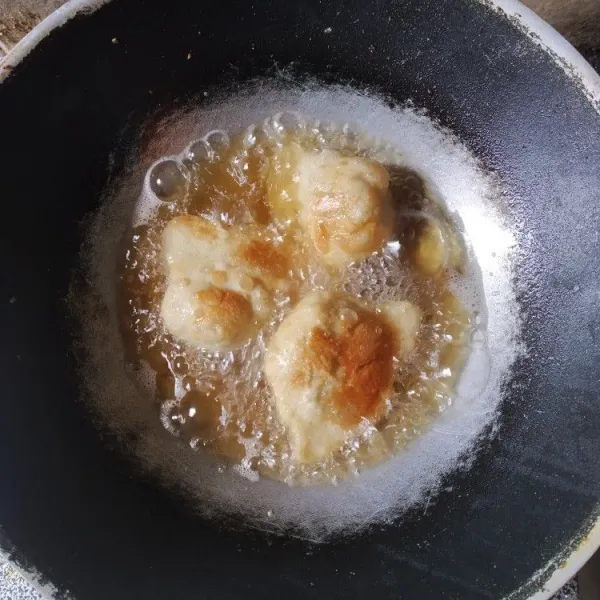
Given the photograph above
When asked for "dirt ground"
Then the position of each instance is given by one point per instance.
(17, 17)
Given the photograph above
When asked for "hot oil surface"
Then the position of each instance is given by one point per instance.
(221, 402)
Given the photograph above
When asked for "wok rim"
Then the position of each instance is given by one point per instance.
(544, 35)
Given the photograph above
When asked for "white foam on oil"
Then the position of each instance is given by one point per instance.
(380, 493)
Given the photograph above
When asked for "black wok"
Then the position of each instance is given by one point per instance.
(72, 101)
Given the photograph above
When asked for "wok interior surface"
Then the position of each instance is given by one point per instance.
(83, 515)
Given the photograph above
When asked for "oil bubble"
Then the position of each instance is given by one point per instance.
(351, 138)
(478, 340)
(199, 151)
(255, 136)
(218, 141)
(287, 122)
(167, 180)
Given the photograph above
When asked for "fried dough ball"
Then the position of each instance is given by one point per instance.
(215, 317)
(342, 203)
(330, 365)
(220, 282)
(435, 247)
